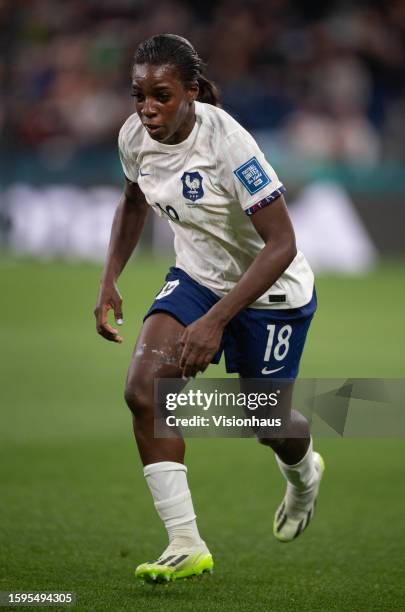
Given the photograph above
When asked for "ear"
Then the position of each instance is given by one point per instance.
(192, 92)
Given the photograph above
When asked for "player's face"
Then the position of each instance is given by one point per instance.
(163, 104)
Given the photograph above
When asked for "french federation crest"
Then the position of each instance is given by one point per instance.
(192, 185)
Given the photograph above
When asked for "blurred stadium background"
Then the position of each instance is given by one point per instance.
(321, 86)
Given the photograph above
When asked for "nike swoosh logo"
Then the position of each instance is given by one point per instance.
(266, 371)
(144, 173)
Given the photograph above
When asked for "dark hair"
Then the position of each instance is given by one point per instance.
(178, 51)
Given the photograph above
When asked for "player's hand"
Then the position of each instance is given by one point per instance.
(109, 298)
(200, 341)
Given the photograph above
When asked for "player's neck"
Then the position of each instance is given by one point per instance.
(184, 130)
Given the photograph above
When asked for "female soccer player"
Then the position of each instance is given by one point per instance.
(239, 285)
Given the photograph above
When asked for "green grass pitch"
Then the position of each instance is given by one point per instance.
(75, 513)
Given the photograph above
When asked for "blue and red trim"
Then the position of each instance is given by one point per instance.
(266, 201)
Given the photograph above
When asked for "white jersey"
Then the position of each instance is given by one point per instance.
(207, 186)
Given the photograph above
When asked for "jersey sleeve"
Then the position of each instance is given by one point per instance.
(128, 163)
(246, 174)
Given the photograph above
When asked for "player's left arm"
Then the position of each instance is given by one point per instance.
(202, 338)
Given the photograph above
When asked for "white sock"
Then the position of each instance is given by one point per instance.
(301, 475)
(302, 478)
(167, 481)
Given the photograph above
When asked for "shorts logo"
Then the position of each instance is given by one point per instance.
(192, 185)
(267, 371)
(252, 176)
(167, 289)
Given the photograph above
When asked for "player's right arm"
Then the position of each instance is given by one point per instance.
(126, 229)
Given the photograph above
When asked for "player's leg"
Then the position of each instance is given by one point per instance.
(270, 345)
(156, 355)
(300, 465)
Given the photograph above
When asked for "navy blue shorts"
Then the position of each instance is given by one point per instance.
(257, 343)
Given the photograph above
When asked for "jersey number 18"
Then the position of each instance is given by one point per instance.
(169, 211)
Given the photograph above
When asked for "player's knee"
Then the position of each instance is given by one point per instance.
(274, 443)
(138, 398)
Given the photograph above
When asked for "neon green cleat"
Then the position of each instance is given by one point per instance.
(297, 511)
(176, 563)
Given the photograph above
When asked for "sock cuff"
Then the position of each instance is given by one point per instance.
(173, 501)
(300, 462)
(163, 466)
